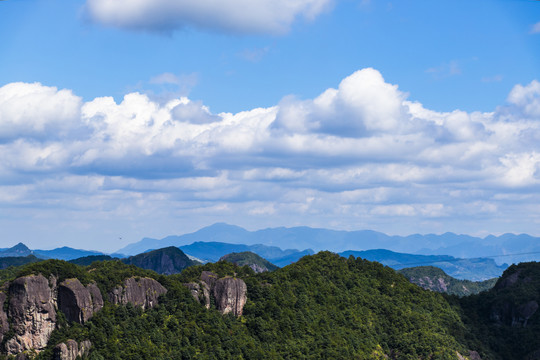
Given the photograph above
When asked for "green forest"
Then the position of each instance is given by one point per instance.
(322, 307)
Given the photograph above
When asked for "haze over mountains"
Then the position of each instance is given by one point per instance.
(461, 256)
(461, 246)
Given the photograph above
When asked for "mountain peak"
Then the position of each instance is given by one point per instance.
(168, 260)
(20, 246)
(18, 250)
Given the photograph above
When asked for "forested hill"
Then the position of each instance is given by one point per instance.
(506, 318)
(435, 279)
(254, 261)
(169, 260)
(322, 307)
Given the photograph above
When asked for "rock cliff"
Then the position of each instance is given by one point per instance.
(514, 315)
(77, 302)
(71, 349)
(32, 310)
(516, 301)
(4, 324)
(34, 301)
(142, 292)
(230, 294)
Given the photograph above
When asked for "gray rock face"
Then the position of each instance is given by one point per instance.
(209, 278)
(32, 312)
(516, 316)
(142, 292)
(200, 293)
(77, 302)
(473, 355)
(508, 280)
(230, 295)
(71, 349)
(4, 324)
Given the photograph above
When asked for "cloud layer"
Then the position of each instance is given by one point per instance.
(235, 16)
(358, 156)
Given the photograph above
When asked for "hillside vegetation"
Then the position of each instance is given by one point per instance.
(435, 279)
(247, 258)
(169, 260)
(322, 307)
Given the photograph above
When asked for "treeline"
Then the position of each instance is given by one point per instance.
(322, 307)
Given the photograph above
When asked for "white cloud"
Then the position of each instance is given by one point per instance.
(535, 29)
(29, 110)
(165, 78)
(236, 16)
(527, 98)
(363, 104)
(445, 70)
(356, 154)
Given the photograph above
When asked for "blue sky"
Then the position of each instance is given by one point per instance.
(123, 120)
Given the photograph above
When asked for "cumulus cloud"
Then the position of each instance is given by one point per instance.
(362, 150)
(34, 110)
(236, 16)
(363, 104)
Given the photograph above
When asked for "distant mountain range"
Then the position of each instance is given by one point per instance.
(62, 253)
(460, 256)
(477, 269)
(212, 251)
(504, 248)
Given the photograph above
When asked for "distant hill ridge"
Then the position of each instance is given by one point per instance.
(476, 269)
(168, 261)
(457, 245)
(434, 279)
(254, 261)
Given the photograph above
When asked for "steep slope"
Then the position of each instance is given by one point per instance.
(254, 261)
(435, 279)
(506, 318)
(51, 296)
(170, 260)
(477, 269)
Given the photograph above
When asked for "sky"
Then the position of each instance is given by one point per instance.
(124, 119)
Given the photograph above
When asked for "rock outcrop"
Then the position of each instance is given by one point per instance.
(32, 305)
(34, 301)
(142, 292)
(515, 316)
(78, 302)
(71, 349)
(473, 355)
(4, 324)
(230, 294)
